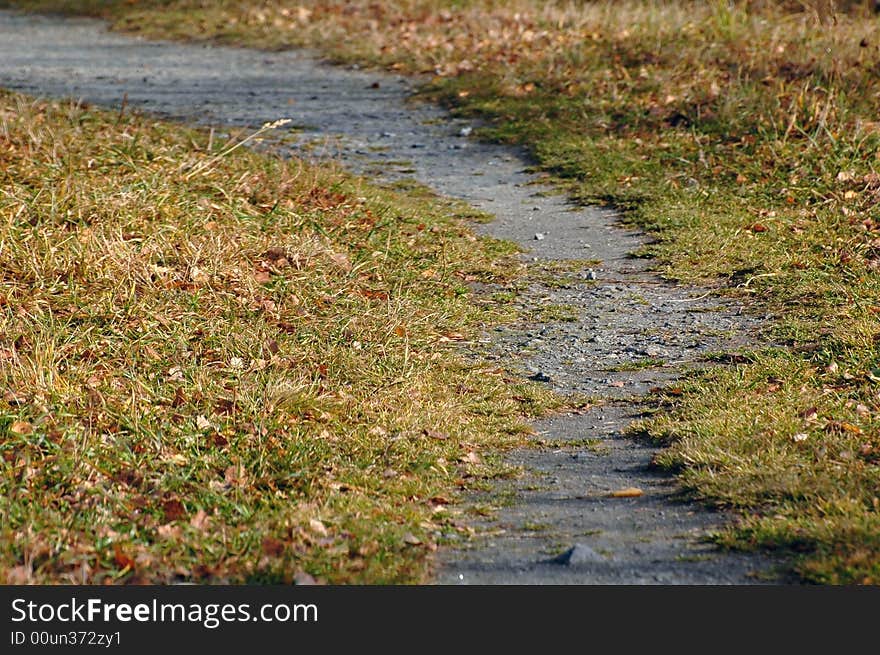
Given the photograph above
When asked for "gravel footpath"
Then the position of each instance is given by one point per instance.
(624, 314)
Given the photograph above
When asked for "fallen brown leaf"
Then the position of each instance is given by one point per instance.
(18, 575)
(122, 559)
(809, 414)
(14, 398)
(179, 397)
(200, 520)
(411, 540)
(22, 428)
(470, 458)
(173, 510)
(169, 531)
(318, 527)
(235, 476)
(303, 578)
(627, 492)
(273, 547)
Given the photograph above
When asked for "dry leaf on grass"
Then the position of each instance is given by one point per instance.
(201, 520)
(18, 575)
(22, 428)
(470, 458)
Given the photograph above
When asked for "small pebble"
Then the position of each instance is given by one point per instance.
(578, 554)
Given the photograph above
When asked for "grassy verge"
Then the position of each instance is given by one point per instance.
(744, 135)
(230, 367)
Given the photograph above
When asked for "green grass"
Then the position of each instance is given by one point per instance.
(744, 137)
(231, 367)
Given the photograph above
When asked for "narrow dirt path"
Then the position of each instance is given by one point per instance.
(625, 315)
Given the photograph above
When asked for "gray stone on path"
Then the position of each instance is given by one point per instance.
(577, 555)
